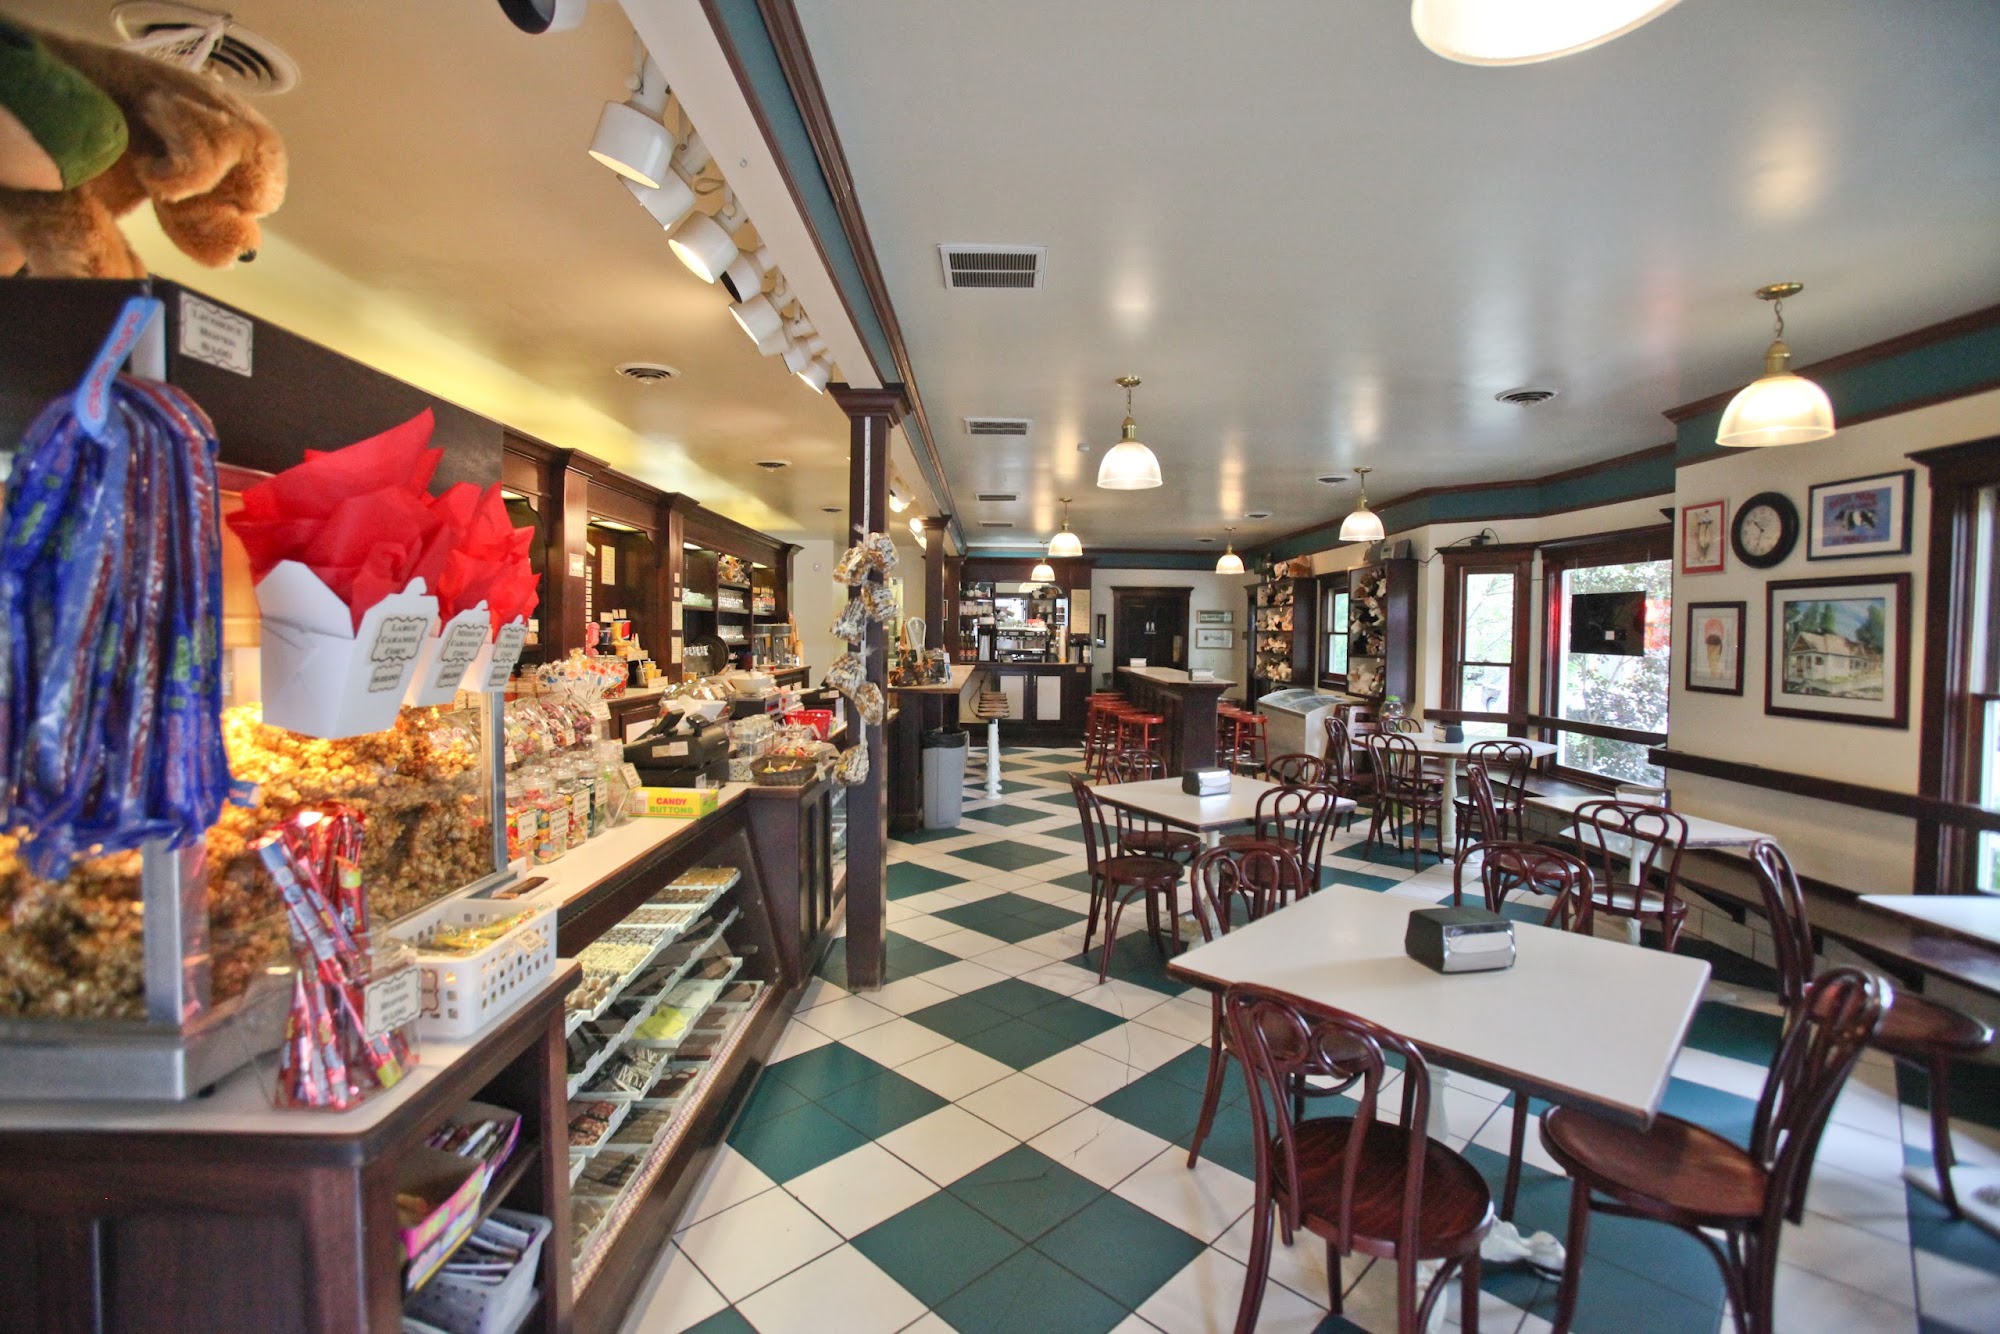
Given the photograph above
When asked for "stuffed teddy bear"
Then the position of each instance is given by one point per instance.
(209, 164)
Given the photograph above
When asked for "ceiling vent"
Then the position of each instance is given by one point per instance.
(774, 465)
(1014, 426)
(1258, 514)
(1524, 398)
(995, 523)
(997, 497)
(210, 43)
(647, 372)
(1017, 266)
(1331, 478)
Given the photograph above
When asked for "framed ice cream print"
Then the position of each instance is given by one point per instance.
(1702, 532)
(1715, 647)
(1862, 516)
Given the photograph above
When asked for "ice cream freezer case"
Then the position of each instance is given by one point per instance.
(1297, 720)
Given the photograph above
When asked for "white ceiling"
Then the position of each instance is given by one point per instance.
(439, 183)
(1320, 245)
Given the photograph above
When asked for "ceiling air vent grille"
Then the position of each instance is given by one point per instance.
(1018, 266)
(1014, 426)
(241, 59)
(1525, 398)
(997, 497)
(995, 523)
(647, 372)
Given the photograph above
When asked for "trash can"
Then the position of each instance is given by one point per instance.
(944, 778)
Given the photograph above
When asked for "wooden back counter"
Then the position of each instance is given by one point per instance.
(1188, 739)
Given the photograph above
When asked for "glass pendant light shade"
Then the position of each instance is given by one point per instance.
(1043, 573)
(1364, 524)
(704, 245)
(1521, 32)
(1777, 408)
(1128, 465)
(1229, 562)
(1064, 545)
(633, 144)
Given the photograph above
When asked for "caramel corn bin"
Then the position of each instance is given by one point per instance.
(133, 976)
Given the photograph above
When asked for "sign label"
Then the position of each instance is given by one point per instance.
(506, 652)
(214, 335)
(391, 1002)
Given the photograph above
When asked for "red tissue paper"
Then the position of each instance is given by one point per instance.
(489, 557)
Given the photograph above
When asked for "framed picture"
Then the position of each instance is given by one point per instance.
(1862, 516)
(1215, 639)
(1715, 647)
(1840, 650)
(1215, 618)
(1703, 529)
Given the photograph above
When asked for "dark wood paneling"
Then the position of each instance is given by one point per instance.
(1906, 804)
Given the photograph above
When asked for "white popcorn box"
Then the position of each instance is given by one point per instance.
(448, 655)
(321, 675)
(497, 656)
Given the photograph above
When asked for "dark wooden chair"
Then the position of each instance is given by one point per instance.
(1360, 1182)
(1141, 835)
(1627, 845)
(1916, 1031)
(1404, 793)
(1297, 770)
(1117, 877)
(1506, 868)
(1297, 817)
(1479, 793)
(1228, 886)
(1507, 764)
(1689, 1177)
(1347, 771)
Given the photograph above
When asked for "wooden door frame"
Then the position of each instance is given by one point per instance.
(1185, 592)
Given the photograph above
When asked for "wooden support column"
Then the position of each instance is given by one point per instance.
(871, 413)
(940, 595)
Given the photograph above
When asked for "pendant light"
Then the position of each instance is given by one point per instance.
(1778, 407)
(1521, 32)
(1364, 524)
(1229, 562)
(1065, 543)
(1043, 573)
(1129, 466)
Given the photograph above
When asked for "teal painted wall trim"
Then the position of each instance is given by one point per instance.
(1156, 560)
(1964, 364)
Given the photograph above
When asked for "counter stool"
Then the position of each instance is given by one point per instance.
(1101, 735)
(1135, 729)
(1247, 747)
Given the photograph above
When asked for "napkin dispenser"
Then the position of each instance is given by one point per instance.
(1459, 940)
(1205, 782)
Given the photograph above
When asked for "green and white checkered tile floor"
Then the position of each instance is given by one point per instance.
(993, 1143)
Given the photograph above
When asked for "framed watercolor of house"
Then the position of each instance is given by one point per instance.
(1862, 516)
(1839, 650)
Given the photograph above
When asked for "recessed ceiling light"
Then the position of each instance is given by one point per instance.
(1206, 540)
(1331, 478)
(1258, 514)
(646, 372)
(773, 465)
(1524, 397)
(829, 509)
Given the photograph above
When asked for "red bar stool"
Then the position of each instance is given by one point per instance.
(1228, 733)
(1103, 736)
(1250, 748)
(1135, 729)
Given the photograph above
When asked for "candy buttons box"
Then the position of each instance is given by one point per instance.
(677, 803)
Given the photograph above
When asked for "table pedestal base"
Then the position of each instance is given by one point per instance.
(1505, 1244)
(992, 757)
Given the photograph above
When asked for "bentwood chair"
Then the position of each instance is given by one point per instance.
(1296, 817)
(1404, 794)
(1345, 772)
(1142, 835)
(1117, 878)
(1916, 1031)
(1297, 770)
(1626, 843)
(1479, 795)
(1690, 1177)
(1231, 887)
(1508, 868)
(1361, 1182)
(1507, 764)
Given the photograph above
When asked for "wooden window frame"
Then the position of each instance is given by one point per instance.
(1951, 731)
(1627, 546)
(1517, 560)
(1325, 587)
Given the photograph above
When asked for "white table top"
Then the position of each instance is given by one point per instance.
(1580, 1021)
(1163, 799)
(1975, 915)
(1427, 743)
(1702, 831)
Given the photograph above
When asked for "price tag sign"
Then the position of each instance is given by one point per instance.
(632, 776)
(398, 640)
(600, 711)
(390, 1002)
(506, 652)
(461, 644)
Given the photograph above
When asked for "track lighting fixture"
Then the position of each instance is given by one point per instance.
(1778, 407)
(816, 374)
(630, 138)
(1364, 524)
(758, 316)
(707, 245)
(744, 277)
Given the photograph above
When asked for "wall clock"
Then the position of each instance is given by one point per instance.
(1765, 531)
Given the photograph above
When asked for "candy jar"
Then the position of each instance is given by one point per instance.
(523, 819)
(552, 813)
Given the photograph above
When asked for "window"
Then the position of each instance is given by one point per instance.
(1605, 685)
(1486, 639)
(1333, 625)
(1958, 836)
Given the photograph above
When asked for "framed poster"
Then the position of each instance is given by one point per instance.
(1215, 639)
(1862, 516)
(1715, 647)
(1703, 528)
(1840, 650)
(1215, 618)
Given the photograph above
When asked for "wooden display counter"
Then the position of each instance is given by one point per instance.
(1189, 739)
(223, 1213)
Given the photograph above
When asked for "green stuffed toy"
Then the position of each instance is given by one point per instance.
(57, 128)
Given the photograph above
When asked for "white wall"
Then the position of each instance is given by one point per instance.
(814, 605)
(1209, 592)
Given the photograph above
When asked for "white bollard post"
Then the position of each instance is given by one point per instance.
(992, 757)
